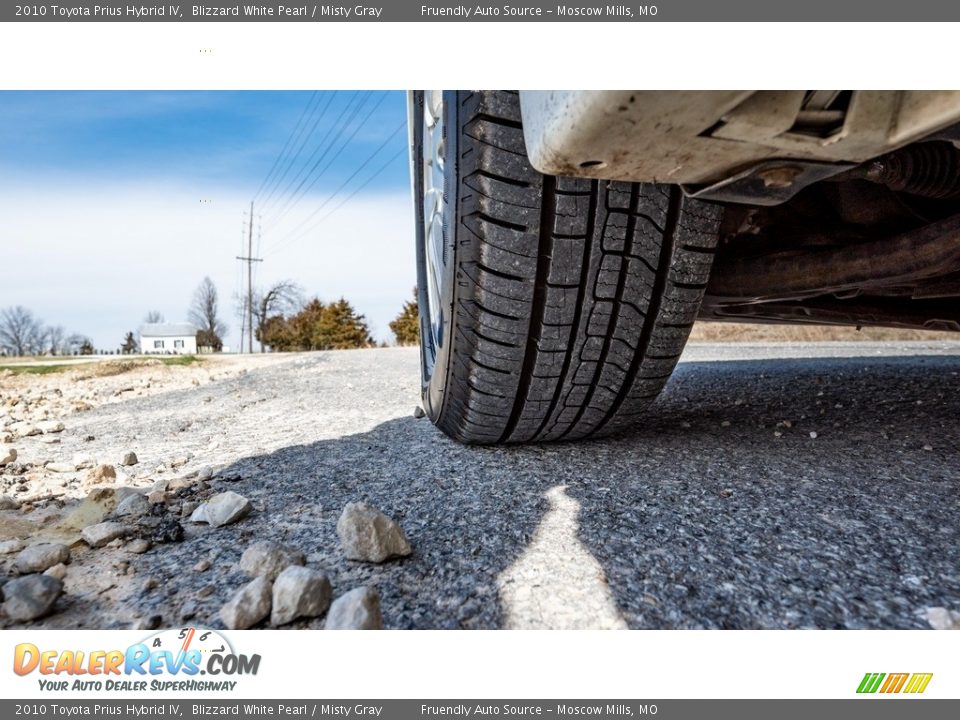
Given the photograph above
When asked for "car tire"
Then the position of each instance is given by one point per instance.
(552, 308)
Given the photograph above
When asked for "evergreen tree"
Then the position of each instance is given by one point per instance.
(275, 332)
(341, 328)
(129, 344)
(301, 327)
(317, 326)
(406, 326)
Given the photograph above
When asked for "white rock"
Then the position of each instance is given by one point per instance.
(58, 571)
(7, 456)
(83, 462)
(205, 473)
(268, 559)
(222, 509)
(137, 546)
(37, 558)
(943, 619)
(248, 606)
(102, 533)
(49, 427)
(358, 609)
(135, 504)
(8, 547)
(129, 459)
(369, 535)
(62, 467)
(179, 484)
(30, 597)
(299, 592)
(23, 429)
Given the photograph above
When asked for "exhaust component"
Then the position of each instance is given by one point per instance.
(903, 260)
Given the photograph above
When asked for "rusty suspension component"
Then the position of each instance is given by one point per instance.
(930, 170)
(910, 258)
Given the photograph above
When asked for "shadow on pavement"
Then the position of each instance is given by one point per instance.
(702, 518)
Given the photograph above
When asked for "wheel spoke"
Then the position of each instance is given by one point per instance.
(433, 210)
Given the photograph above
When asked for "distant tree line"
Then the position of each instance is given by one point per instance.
(316, 326)
(22, 333)
(283, 322)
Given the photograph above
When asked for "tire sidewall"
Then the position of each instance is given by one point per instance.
(435, 362)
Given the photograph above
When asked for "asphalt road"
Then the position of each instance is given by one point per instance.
(722, 511)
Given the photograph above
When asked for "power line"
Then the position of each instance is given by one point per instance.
(292, 160)
(342, 185)
(347, 199)
(338, 125)
(276, 161)
(330, 162)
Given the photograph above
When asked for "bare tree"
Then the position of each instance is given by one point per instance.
(20, 332)
(154, 316)
(204, 313)
(281, 298)
(55, 336)
(76, 343)
(240, 312)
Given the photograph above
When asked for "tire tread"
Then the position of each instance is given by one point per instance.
(574, 297)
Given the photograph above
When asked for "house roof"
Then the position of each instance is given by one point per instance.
(167, 330)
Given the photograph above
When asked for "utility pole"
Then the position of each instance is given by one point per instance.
(250, 260)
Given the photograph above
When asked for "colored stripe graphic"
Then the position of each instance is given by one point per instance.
(870, 682)
(918, 682)
(894, 682)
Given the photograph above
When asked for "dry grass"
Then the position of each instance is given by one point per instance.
(744, 332)
(119, 367)
(35, 369)
(105, 368)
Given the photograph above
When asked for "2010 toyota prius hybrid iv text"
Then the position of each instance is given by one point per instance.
(567, 241)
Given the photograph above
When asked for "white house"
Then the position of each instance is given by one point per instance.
(168, 339)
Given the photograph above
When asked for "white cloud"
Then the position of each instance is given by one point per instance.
(96, 259)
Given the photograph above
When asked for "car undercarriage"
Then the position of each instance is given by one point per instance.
(840, 207)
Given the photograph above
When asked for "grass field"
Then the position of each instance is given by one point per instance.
(103, 367)
(17, 369)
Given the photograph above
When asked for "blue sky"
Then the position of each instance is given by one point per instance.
(227, 139)
(116, 203)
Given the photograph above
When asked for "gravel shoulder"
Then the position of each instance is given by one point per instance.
(808, 485)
